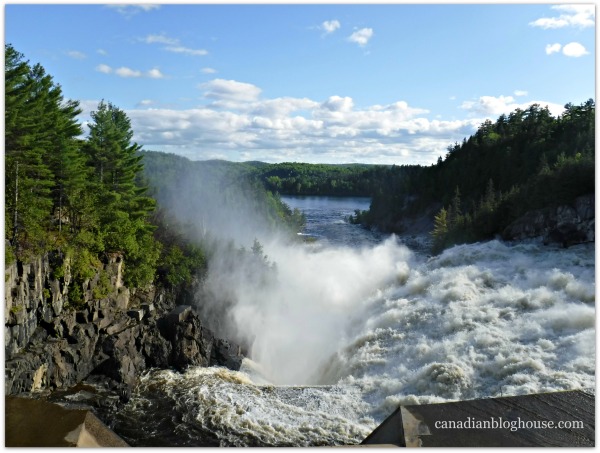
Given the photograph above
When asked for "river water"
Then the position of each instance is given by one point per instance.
(356, 323)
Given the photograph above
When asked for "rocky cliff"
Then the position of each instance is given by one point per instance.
(565, 224)
(50, 345)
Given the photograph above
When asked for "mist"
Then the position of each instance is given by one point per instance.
(289, 304)
(295, 321)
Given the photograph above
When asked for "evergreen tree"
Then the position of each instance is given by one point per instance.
(123, 208)
(30, 94)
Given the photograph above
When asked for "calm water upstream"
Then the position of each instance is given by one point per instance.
(357, 323)
(326, 219)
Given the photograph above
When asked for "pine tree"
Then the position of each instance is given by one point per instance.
(440, 228)
(30, 94)
(123, 207)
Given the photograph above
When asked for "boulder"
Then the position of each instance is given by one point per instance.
(227, 354)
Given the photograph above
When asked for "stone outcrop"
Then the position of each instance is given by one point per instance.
(566, 224)
(50, 346)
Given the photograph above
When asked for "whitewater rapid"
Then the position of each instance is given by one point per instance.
(362, 330)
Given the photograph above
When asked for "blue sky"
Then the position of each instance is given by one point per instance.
(389, 83)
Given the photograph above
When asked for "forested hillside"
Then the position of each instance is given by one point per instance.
(525, 160)
(86, 199)
(203, 191)
(321, 179)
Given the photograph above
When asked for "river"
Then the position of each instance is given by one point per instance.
(356, 323)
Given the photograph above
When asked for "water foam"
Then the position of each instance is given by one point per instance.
(480, 320)
(382, 327)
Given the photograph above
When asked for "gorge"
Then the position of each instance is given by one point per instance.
(380, 325)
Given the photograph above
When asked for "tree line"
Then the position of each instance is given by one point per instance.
(80, 197)
(524, 161)
(294, 178)
(87, 198)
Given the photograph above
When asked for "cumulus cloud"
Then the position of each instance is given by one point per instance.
(574, 49)
(361, 37)
(580, 16)
(155, 74)
(329, 26)
(553, 48)
(230, 90)
(339, 104)
(130, 73)
(208, 71)
(239, 125)
(76, 54)
(492, 106)
(127, 72)
(520, 93)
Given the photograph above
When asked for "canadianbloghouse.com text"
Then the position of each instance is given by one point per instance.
(513, 425)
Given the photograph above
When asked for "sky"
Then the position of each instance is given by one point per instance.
(320, 83)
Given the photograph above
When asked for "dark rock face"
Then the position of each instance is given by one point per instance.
(111, 340)
(566, 225)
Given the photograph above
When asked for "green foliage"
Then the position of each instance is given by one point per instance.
(123, 208)
(9, 256)
(180, 261)
(440, 229)
(526, 160)
(319, 179)
(103, 287)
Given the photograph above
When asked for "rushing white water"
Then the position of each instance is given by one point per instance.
(342, 335)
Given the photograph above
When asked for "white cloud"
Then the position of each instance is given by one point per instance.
(155, 74)
(330, 26)
(172, 45)
(361, 37)
(76, 54)
(208, 71)
(580, 16)
(104, 68)
(102, 52)
(240, 125)
(520, 93)
(129, 10)
(160, 39)
(492, 106)
(553, 48)
(574, 49)
(186, 50)
(339, 104)
(127, 72)
(145, 102)
(230, 90)
(281, 107)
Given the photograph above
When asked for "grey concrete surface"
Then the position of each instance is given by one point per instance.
(37, 423)
(518, 421)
